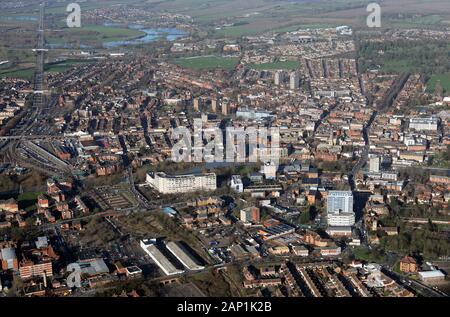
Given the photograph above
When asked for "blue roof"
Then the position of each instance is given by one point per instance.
(169, 211)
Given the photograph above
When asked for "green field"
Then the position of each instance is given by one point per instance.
(240, 30)
(88, 5)
(411, 22)
(94, 33)
(28, 73)
(20, 73)
(107, 33)
(287, 65)
(63, 66)
(421, 56)
(207, 62)
(397, 66)
(444, 80)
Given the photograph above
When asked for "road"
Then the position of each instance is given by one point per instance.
(415, 286)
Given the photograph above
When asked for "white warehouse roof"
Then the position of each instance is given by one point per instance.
(431, 274)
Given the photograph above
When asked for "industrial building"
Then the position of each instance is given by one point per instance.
(184, 256)
(433, 276)
(93, 267)
(149, 246)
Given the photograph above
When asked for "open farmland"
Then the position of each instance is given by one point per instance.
(207, 62)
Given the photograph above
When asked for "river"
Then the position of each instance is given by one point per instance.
(151, 35)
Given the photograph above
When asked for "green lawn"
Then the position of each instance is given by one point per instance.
(365, 254)
(20, 73)
(424, 21)
(95, 33)
(287, 65)
(443, 79)
(28, 73)
(207, 62)
(397, 66)
(240, 30)
(88, 5)
(64, 66)
(110, 33)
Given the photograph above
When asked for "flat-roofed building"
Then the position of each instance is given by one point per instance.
(345, 219)
(374, 164)
(93, 267)
(432, 276)
(294, 81)
(184, 256)
(339, 231)
(424, 124)
(29, 269)
(251, 214)
(300, 250)
(438, 179)
(332, 250)
(167, 184)
(236, 184)
(279, 77)
(339, 201)
(156, 255)
(8, 259)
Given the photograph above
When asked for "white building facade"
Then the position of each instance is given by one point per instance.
(167, 184)
(339, 202)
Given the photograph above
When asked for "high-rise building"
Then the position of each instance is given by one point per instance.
(225, 110)
(251, 214)
(340, 210)
(295, 81)
(214, 103)
(339, 202)
(197, 103)
(374, 164)
(279, 78)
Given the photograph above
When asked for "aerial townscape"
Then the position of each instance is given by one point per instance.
(352, 201)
